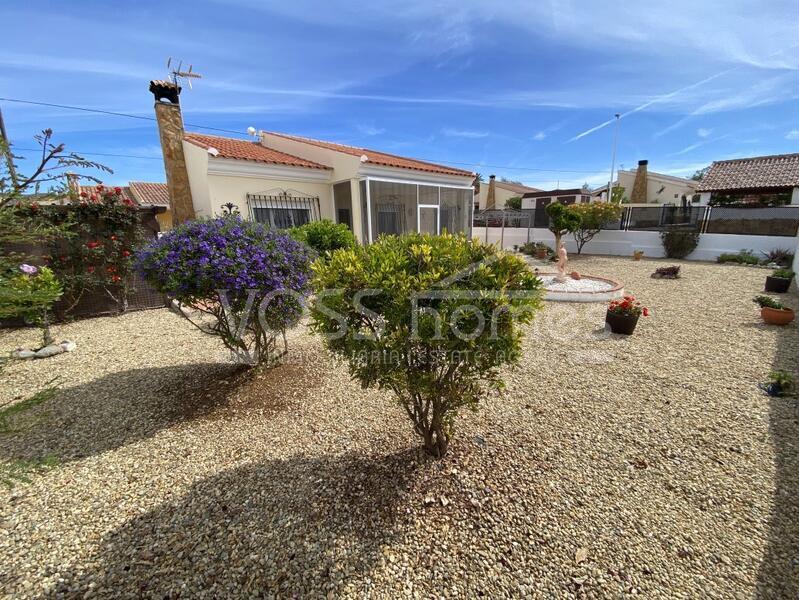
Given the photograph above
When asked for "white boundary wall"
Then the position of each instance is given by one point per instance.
(623, 243)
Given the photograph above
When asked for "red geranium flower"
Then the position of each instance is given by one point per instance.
(90, 269)
(84, 195)
(117, 190)
(646, 312)
(125, 253)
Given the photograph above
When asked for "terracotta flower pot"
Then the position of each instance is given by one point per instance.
(638, 254)
(541, 253)
(777, 316)
(620, 323)
(778, 285)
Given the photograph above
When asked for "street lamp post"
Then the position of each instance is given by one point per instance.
(613, 160)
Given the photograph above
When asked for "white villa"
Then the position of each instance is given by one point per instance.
(286, 180)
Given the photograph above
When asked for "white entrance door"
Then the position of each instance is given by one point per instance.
(427, 218)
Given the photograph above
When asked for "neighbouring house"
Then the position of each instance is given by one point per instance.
(541, 198)
(764, 180)
(286, 180)
(151, 198)
(642, 186)
(145, 195)
(488, 199)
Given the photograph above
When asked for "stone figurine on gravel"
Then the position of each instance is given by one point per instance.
(429, 318)
(233, 279)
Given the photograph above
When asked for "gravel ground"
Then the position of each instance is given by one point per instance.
(610, 466)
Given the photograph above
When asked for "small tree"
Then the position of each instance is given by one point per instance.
(618, 197)
(26, 290)
(514, 203)
(324, 236)
(593, 218)
(430, 318)
(561, 221)
(245, 284)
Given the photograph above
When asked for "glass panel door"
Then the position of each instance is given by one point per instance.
(428, 219)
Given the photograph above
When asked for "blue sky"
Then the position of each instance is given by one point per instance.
(515, 88)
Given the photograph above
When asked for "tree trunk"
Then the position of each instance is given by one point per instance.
(429, 427)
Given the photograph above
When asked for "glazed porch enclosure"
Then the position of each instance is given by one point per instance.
(393, 207)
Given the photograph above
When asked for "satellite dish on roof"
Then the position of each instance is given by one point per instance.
(213, 151)
(251, 131)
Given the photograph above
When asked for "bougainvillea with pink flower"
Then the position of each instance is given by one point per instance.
(100, 232)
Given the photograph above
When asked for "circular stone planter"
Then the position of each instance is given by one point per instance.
(777, 285)
(777, 316)
(623, 324)
(586, 289)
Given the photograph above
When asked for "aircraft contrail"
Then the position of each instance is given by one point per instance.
(655, 100)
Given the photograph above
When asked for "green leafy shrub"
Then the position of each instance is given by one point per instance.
(561, 221)
(679, 243)
(324, 236)
(531, 249)
(430, 318)
(783, 273)
(514, 203)
(768, 302)
(30, 293)
(743, 257)
(593, 218)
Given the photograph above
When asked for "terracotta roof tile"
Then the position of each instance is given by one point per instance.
(248, 150)
(92, 189)
(150, 194)
(779, 170)
(380, 158)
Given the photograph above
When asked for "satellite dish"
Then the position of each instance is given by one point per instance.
(213, 151)
(364, 158)
(251, 131)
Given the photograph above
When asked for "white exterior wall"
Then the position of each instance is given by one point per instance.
(654, 182)
(623, 243)
(197, 169)
(223, 189)
(501, 196)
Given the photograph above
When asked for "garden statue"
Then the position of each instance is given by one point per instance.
(563, 258)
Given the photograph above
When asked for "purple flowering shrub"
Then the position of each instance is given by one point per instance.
(234, 279)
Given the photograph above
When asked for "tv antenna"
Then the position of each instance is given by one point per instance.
(178, 72)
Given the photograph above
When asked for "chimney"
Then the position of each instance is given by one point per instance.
(491, 198)
(170, 129)
(73, 185)
(638, 194)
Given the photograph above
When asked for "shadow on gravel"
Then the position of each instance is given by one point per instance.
(778, 576)
(287, 528)
(124, 407)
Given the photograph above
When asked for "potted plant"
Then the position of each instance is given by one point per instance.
(638, 254)
(541, 251)
(779, 281)
(623, 314)
(773, 311)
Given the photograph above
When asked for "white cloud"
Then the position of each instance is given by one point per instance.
(703, 132)
(464, 133)
(540, 136)
(369, 130)
(793, 134)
